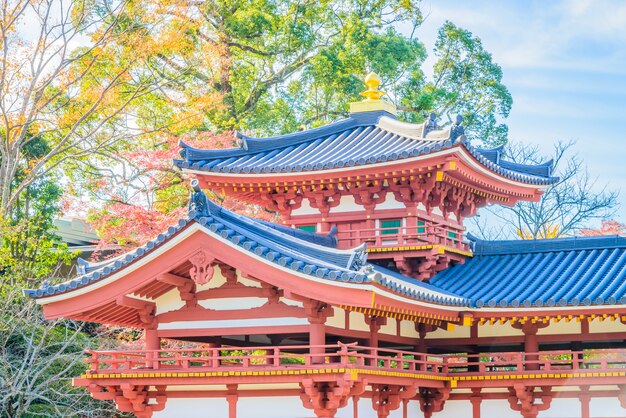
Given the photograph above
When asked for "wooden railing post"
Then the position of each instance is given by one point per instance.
(215, 357)
(94, 361)
(276, 356)
(343, 354)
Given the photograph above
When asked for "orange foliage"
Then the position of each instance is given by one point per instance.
(608, 227)
(163, 193)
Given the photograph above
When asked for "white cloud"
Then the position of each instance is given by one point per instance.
(585, 35)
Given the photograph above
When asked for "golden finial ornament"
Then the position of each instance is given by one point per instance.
(373, 97)
(372, 81)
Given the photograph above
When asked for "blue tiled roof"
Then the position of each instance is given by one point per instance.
(536, 273)
(363, 138)
(308, 253)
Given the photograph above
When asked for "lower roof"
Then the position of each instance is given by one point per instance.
(565, 272)
(579, 271)
(299, 251)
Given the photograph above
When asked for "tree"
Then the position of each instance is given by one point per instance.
(465, 81)
(565, 208)
(29, 247)
(278, 65)
(144, 195)
(608, 227)
(281, 65)
(70, 87)
(38, 358)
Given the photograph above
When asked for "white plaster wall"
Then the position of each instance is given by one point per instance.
(357, 322)
(233, 323)
(407, 329)
(291, 407)
(457, 332)
(497, 330)
(338, 319)
(563, 408)
(606, 326)
(305, 209)
(562, 327)
(346, 204)
(606, 408)
(390, 203)
(266, 407)
(169, 301)
(228, 304)
(390, 328)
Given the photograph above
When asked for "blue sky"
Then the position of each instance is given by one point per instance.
(564, 63)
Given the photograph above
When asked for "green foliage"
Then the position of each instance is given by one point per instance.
(468, 82)
(38, 359)
(278, 66)
(28, 247)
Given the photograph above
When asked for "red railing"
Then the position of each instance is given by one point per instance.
(352, 355)
(404, 236)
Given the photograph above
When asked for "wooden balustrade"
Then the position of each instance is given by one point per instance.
(352, 355)
(402, 235)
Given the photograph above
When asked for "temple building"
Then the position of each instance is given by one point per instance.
(368, 299)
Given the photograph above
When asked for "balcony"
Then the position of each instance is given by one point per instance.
(402, 236)
(494, 366)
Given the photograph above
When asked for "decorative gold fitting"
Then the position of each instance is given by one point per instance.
(372, 81)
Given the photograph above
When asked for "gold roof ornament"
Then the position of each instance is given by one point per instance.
(373, 98)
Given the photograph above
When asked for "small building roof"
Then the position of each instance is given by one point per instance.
(75, 232)
(562, 272)
(308, 253)
(363, 138)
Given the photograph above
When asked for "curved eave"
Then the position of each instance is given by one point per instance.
(457, 150)
(141, 272)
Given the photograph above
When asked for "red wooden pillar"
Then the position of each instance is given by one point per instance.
(152, 343)
(317, 337)
(531, 344)
(585, 399)
(355, 407)
(231, 398)
(317, 312)
(324, 226)
(405, 408)
(421, 347)
(476, 400)
(152, 340)
(215, 354)
(375, 322)
(411, 225)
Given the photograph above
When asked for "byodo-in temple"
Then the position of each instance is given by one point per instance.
(367, 299)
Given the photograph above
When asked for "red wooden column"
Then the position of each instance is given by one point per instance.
(421, 346)
(585, 397)
(317, 312)
(317, 337)
(231, 398)
(476, 400)
(411, 224)
(375, 322)
(531, 344)
(215, 354)
(152, 342)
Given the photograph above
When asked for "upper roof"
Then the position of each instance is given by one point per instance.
(301, 251)
(363, 138)
(550, 272)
